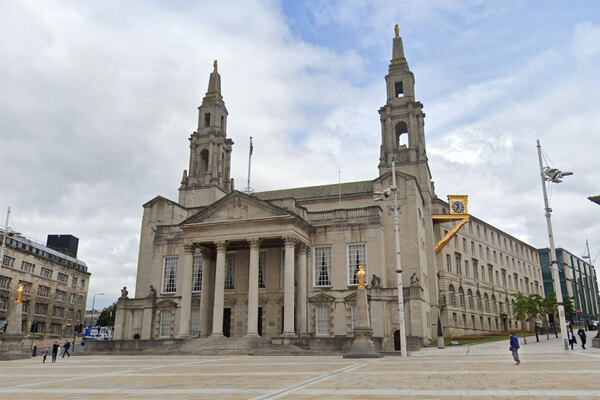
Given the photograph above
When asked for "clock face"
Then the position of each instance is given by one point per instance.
(458, 207)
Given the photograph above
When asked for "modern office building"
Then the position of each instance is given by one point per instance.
(55, 285)
(577, 280)
(282, 264)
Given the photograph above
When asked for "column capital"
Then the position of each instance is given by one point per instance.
(303, 246)
(221, 246)
(189, 248)
(290, 241)
(254, 243)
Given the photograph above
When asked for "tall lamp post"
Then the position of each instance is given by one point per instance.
(553, 175)
(384, 195)
(93, 303)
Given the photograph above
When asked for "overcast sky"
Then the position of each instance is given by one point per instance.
(98, 99)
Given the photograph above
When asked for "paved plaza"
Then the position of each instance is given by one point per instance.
(459, 372)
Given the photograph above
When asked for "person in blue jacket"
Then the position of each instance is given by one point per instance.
(514, 347)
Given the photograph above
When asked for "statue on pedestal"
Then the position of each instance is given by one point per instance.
(19, 294)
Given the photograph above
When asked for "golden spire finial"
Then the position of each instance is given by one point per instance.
(215, 65)
(397, 30)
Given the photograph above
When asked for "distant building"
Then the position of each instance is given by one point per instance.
(480, 271)
(577, 280)
(55, 286)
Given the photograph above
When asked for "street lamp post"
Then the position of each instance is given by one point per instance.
(553, 175)
(93, 303)
(384, 195)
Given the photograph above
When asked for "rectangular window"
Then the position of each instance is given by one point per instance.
(197, 273)
(230, 271)
(458, 264)
(166, 318)
(8, 261)
(503, 278)
(26, 286)
(467, 267)
(70, 313)
(501, 259)
(46, 273)
(3, 303)
(58, 312)
(497, 278)
(169, 276)
(41, 309)
(480, 251)
(60, 295)
(82, 283)
(475, 272)
(464, 245)
(55, 329)
(448, 263)
(356, 255)
(72, 298)
(487, 253)
(482, 273)
(74, 281)
(472, 247)
(322, 319)
(456, 242)
(27, 267)
(43, 291)
(262, 268)
(4, 282)
(63, 277)
(322, 266)
(491, 274)
(495, 259)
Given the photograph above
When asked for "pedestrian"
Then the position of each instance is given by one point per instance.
(66, 347)
(572, 339)
(55, 347)
(582, 337)
(44, 355)
(514, 347)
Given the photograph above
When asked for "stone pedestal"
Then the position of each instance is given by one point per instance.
(362, 346)
(12, 340)
(596, 339)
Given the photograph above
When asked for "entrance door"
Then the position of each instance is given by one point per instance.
(260, 321)
(397, 340)
(227, 322)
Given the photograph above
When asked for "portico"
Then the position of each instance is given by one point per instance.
(226, 234)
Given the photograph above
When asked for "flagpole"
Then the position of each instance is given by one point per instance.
(248, 189)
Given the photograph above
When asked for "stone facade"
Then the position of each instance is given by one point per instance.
(480, 271)
(55, 287)
(282, 264)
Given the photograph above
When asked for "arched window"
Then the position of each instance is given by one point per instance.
(461, 297)
(478, 301)
(203, 161)
(507, 306)
(486, 302)
(451, 294)
(470, 298)
(494, 308)
(401, 134)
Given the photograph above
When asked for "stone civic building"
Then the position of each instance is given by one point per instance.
(55, 284)
(282, 264)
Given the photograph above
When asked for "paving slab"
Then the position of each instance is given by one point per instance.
(484, 371)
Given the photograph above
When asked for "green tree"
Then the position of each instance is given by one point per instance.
(521, 309)
(569, 308)
(107, 316)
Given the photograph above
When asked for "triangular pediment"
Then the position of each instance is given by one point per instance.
(322, 298)
(237, 207)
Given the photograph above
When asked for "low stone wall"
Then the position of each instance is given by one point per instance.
(129, 345)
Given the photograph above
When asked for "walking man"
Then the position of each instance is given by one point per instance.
(66, 348)
(582, 337)
(514, 347)
(55, 347)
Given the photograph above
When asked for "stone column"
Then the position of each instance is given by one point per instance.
(185, 289)
(302, 288)
(288, 296)
(205, 293)
(217, 327)
(253, 288)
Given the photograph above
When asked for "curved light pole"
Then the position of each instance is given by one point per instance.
(553, 175)
(93, 303)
